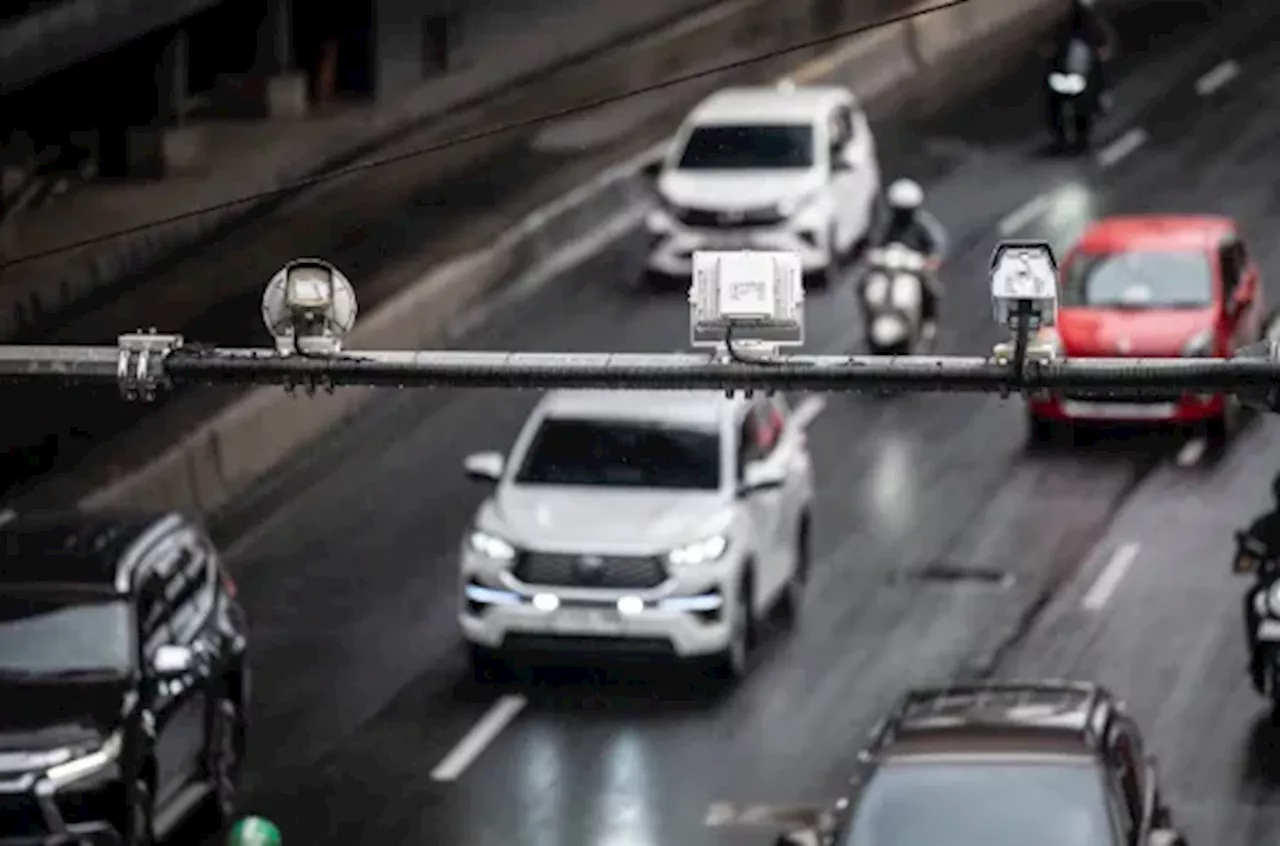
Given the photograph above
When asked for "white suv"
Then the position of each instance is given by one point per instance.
(653, 522)
(767, 169)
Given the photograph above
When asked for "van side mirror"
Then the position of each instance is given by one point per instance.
(484, 466)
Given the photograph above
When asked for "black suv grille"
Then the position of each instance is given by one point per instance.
(708, 219)
(20, 816)
(600, 571)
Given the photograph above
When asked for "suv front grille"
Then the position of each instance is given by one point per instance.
(20, 816)
(709, 219)
(618, 572)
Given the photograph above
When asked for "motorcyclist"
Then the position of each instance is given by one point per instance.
(254, 831)
(1084, 23)
(913, 227)
(1265, 530)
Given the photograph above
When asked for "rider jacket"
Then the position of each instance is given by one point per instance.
(1266, 529)
(918, 230)
(1087, 26)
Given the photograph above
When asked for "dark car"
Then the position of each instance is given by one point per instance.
(1049, 763)
(122, 678)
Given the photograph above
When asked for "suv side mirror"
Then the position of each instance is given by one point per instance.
(759, 476)
(172, 660)
(652, 170)
(1166, 837)
(484, 466)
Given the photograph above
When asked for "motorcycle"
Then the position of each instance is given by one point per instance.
(892, 297)
(1254, 558)
(1073, 102)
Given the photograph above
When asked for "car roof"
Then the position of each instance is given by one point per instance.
(768, 105)
(71, 549)
(703, 409)
(1157, 232)
(983, 720)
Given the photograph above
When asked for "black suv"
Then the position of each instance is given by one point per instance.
(1053, 763)
(122, 678)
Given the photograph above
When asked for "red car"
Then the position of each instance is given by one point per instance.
(1153, 287)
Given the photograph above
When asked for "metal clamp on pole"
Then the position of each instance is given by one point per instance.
(1267, 398)
(140, 369)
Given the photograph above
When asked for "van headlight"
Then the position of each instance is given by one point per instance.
(491, 546)
(700, 552)
(79, 764)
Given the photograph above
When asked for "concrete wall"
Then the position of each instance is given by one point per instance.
(69, 33)
(496, 33)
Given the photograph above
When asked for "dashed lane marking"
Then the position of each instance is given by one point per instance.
(1191, 453)
(1104, 587)
(1215, 79)
(1121, 148)
(1024, 215)
(474, 742)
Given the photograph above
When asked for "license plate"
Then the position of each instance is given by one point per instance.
(586, 621)
(1269, 630)
(1120, 410)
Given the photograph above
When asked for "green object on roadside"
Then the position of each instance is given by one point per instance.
(254, 831)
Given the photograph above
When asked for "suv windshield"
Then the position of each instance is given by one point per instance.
(42, 635)
(990, 804)
(618, 454)
(1139, 279)
(766, 147)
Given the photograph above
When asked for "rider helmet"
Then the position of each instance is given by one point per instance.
(254, 831)
(905, 195)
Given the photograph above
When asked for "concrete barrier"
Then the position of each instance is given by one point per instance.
(246, 440)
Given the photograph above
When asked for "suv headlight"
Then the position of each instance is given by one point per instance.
(82, 764)
(701, 552)
(491, 546)
(1200, 345)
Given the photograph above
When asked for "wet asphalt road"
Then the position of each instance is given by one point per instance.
(360, 686)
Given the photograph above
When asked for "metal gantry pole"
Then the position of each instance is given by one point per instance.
(311, 322)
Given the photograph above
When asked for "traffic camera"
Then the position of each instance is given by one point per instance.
(1024, 284)
(746, 298)
(309, 307)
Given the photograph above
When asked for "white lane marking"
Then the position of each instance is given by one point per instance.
(1191, 453)
(1110, 577)
(1122, 147)
(1023, 215)
(481, 735)
(807, 411)
(1222, 75)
